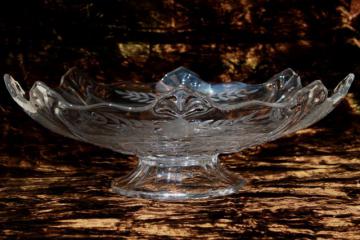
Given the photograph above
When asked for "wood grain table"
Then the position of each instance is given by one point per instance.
(302, 186)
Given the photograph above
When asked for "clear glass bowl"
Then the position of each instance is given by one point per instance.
(179, 125)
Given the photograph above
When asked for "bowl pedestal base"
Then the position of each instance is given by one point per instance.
(178, 178)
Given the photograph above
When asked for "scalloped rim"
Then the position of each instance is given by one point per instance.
(18, 93)
(190, 77)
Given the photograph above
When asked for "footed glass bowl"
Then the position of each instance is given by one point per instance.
(179, 125)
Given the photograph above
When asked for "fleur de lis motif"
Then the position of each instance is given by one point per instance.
(182, 103)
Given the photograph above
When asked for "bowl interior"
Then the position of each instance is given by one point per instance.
(180, 112)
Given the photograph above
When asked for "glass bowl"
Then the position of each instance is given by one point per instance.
(179, 125)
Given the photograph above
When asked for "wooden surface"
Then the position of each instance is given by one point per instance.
(303, 186)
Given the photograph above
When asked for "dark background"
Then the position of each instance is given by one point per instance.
(304, 186)
(221, 40)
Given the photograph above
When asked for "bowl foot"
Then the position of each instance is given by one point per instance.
(172, 182)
